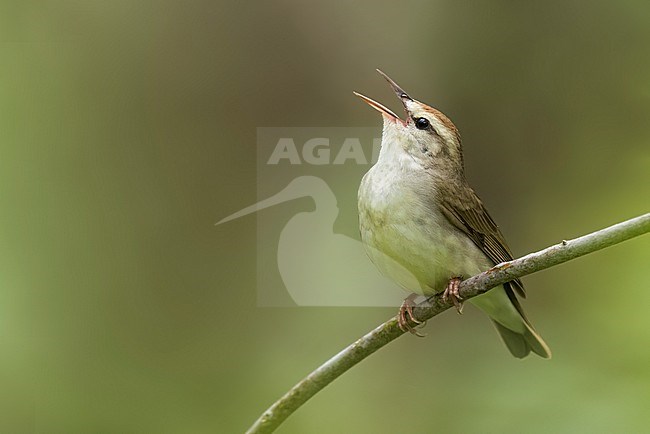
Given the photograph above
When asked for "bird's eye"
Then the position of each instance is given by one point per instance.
(422, 123)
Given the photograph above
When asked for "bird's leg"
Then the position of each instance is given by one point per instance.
(451, 291)
(406, 314)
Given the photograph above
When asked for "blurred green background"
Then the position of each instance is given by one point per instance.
(128, 128)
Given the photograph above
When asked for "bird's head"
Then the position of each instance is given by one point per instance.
(425, 133)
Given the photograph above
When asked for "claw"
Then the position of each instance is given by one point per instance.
(451, 291)
(405, 316)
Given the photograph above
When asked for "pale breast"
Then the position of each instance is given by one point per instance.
(406, 236)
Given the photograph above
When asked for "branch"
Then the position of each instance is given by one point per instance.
(388, 331)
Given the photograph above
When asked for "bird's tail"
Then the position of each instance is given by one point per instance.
(515, 330)
(521, 344)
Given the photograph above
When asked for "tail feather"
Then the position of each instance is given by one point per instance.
(515, 330)
(520, 345)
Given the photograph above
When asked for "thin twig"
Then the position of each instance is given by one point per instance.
(388, 331)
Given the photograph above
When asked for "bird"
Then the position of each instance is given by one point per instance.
(416, 207)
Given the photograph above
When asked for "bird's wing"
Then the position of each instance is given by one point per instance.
(465, 211)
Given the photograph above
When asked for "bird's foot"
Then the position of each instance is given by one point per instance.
(406, 314)
(451, 291)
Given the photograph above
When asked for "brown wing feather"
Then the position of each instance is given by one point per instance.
(466, 211)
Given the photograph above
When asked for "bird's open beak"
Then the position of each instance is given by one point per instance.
(379, 107)
(403, 96)
(385, 111)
